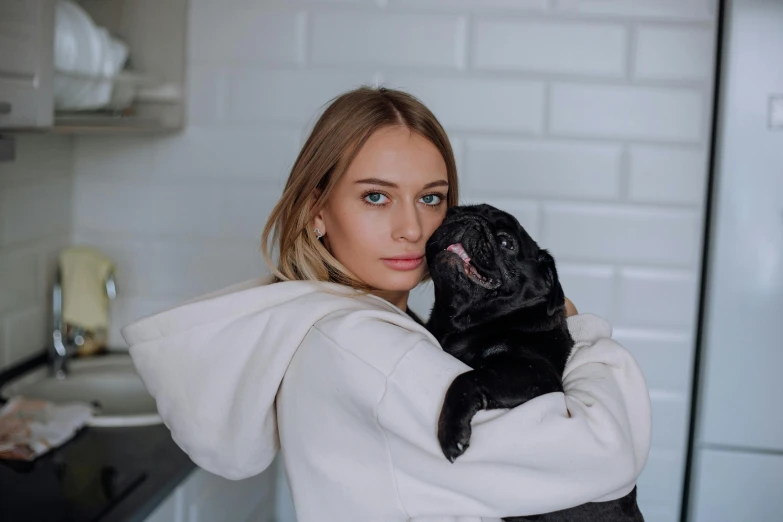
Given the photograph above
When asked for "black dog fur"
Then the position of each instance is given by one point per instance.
(502, 314)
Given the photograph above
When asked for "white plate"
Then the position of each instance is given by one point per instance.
(80, 47)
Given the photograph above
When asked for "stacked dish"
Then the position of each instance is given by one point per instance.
(87, 61)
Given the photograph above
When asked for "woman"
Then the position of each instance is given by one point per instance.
(323, 361)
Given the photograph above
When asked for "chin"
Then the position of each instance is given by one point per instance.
(394, 281)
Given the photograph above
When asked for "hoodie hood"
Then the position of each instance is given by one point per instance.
(214, 365)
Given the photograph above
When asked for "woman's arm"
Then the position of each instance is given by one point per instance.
(554, 452)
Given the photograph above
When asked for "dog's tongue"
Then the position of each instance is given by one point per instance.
(457, 249)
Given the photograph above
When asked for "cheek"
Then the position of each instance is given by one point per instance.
(432, 221)
(354, 234)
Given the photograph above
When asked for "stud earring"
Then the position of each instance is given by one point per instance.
(318, 233)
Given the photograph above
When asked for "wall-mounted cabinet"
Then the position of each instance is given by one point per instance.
(155, 32)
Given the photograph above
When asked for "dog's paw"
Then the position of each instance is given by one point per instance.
(454, 438)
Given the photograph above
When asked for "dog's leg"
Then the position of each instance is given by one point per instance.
(487, 388)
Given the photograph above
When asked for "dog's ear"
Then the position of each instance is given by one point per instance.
(556, 296)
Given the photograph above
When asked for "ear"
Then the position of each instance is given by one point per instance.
(318, 218)
(556, 296)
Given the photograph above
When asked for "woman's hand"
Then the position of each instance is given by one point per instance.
(570, 308)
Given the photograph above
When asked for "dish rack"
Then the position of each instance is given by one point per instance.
(126, 87)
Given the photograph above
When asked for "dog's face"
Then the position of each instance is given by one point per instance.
(481, 257)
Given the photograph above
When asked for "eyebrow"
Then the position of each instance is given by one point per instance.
(384, 183)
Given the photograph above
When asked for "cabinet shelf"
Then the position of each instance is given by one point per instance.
(155, 31)
(107, 123)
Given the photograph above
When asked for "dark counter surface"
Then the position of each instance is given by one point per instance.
(105, 474)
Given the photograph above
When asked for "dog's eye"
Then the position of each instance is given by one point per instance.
(506, 243)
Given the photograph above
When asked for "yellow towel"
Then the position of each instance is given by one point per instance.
(84, 271)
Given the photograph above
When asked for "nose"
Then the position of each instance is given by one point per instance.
(407, 224)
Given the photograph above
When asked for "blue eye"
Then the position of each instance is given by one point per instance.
(375, 198)
(431, 199)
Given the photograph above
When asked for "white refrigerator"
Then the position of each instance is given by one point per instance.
(737, 458)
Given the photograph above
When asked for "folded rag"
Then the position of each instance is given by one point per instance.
(29, 428)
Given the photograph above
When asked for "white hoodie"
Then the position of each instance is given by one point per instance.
(351, 388)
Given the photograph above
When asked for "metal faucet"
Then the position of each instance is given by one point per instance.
(62, 347)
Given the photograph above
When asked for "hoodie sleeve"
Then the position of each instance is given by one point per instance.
(554, 452)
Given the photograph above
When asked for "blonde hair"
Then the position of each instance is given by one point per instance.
(338, 135)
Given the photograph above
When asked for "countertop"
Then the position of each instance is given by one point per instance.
(102, 474)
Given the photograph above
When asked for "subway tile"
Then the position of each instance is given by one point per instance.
(245, 33)
(551, 47)
(667, 175)
(543, 169)
(526, 212)
(665, 357)
(669, 10)
(245, 210)
(480, 5)
(147, 207)
(411, 40)
(18, 279)
(606, 111)
(205, 100)
(38, 158)
(622, 233)
(673, 53)
(670, 422)
(660, 484)
(657, 297)
(589, 287)
(113, 157)
(162, 269)
(285, 96)
(458, 148)
(361, 3)
(33, 212)
(25, 334)
(473, 104)
(223, 153)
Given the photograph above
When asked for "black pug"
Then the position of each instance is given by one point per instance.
(500, 309)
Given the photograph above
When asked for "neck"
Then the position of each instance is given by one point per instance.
(398, 299)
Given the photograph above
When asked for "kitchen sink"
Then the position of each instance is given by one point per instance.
(108, 382)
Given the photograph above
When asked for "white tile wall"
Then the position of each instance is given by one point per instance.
(673, 53)
(280, 96)
(258, 153)
(476, 5)
(35, 222)
(622, 233)
(566, 48)
(373, 39)
(673, 11)
(246, 34)
(478, 104)
(667, 174)
(588, 119)
(542, 169)
(627, 112)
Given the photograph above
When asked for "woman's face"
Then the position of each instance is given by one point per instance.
(384, 209)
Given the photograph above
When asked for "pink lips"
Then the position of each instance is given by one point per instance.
(405, 262)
